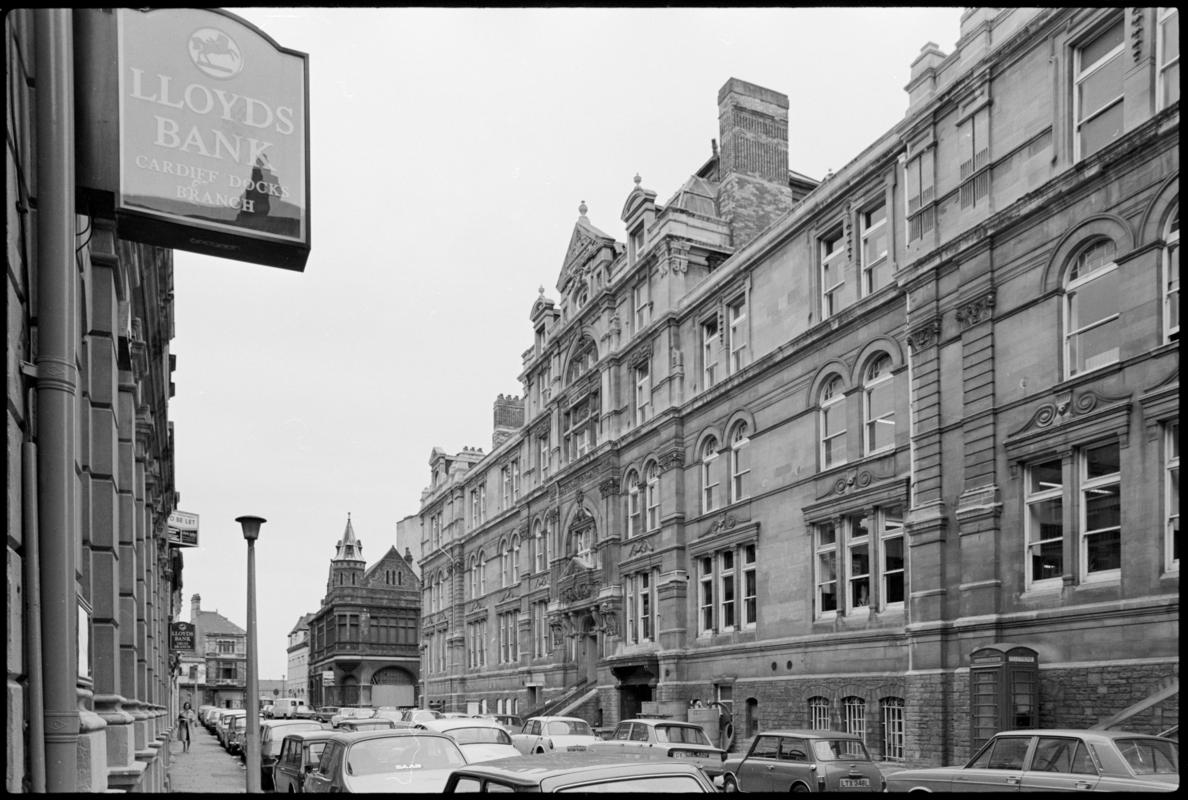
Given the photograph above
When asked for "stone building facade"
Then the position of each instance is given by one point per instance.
(364, 636)
(92, 579)
(216, 674)
(896, 453)
(297, 658)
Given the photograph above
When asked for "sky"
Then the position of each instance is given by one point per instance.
(450, 149)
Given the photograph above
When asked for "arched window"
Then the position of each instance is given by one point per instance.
(854, 716)
(482, 573)
(538, 545)
(1091, 324)
(709, 484)
(504, 565)
(878, 405)
(833, 423)
(584, 357)
(474, 577)
(1171, 275)
(634, 510)
(441, 590)
(740, 463)
(818, 708)
(515, 559)
(652, 496)
(894, 735)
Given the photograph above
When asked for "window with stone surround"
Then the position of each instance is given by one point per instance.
(509, 650)
(642, 375)
(640, 596)
(505, 568)
(652, 496)
(727, 589)
(540, 629)
(1099, 64)
(710, 351)
(482, 573)
(1044, 523)
(920, 186)
(709, 479)
(860, 562)
(516, 568)
(539, 546)
(740, 463)
(1172, 494)
(974, 154)
(837, 291)
(641, 297)
(876, 265)
(1171, 275)
(634, 507)
(736, 331)
(1167, 56)
(1091, 322)
(878, 406)
(833, 423)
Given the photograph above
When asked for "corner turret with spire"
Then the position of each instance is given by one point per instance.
(348, 564)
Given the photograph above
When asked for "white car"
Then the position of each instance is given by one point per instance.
(554, 734)
(480, 739)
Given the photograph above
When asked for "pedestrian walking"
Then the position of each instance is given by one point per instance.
(185, 720)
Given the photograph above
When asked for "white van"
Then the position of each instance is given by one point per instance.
(285, 707)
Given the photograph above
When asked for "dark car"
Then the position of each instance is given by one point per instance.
(299, 754)
(389, 761)
(803, 761)
(1056, 760)
(272, 734)
(580, 772)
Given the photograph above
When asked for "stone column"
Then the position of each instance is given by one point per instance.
(92, 747)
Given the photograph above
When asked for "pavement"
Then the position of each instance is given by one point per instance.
(206, 767)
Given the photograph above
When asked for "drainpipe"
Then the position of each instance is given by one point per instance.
(57, 381)
(33, 620)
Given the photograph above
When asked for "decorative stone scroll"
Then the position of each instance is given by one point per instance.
(671, 459)
(639, 548)
(724, 523)
(641, 356)
(608, 487)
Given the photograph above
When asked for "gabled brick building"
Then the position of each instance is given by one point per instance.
(363, 642)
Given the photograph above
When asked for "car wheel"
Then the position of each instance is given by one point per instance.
(800, 787)
(729, 784)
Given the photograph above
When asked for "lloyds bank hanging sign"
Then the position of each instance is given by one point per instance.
(211, 139)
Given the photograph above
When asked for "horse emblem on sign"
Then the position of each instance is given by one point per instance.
(215, 53)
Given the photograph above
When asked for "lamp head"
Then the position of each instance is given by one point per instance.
(251, 526)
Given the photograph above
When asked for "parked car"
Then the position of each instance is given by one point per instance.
(372, 724)
(803, 761)
(385, 761)
(1056, 760)
(351, 712)
(580, 772)
(510, 722)
(272, 734)
(665, 737)
(236, 728)
(410, 717)
(326, 713)
(299, 754)
(480, 739)
(221, 728)
(542, 734)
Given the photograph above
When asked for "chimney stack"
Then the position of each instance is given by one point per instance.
(753, 165)
(195, 607)
(509, 418)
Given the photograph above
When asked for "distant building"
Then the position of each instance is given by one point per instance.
(896, 454)
(363, 641)
(297, 678)
(216, 674)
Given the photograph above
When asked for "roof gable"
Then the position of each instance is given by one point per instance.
(584, 244)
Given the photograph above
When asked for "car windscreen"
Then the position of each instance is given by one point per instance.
(1150, 756)
(682, 734)
(400, 753)
(562, 727)
(480, 734)
(840, 750)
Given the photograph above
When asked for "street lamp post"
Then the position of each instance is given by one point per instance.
(251, 738)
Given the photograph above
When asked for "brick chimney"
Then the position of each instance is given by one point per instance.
(509, 418)
(195, 607)
(753, 164)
